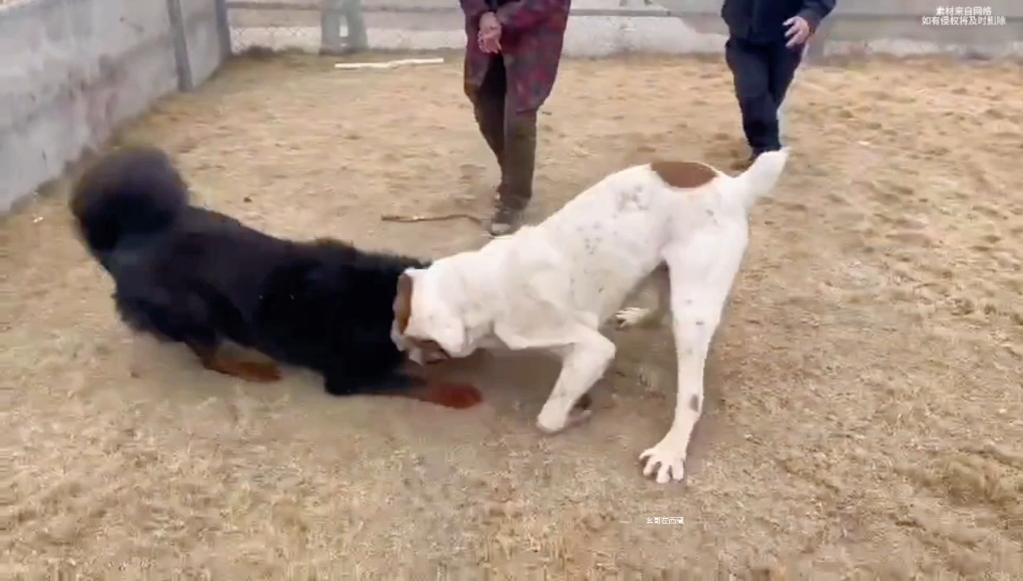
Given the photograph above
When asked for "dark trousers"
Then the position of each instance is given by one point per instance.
(762, 74)
(510, 134)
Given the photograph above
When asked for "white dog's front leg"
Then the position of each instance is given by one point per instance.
(582, 364)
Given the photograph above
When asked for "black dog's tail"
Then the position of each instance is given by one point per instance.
(130, 191)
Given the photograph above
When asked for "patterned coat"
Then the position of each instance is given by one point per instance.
(532, 33)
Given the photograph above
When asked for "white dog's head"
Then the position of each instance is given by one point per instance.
(426, 323)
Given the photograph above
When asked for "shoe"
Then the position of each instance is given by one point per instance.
(505, 221)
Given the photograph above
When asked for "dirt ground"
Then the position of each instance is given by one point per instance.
(864, 392)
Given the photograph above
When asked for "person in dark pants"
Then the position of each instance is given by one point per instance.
(764, 48)
(512, 53)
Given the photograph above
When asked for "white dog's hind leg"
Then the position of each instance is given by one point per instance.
(582, 364)
(637, 316)
(700, 283)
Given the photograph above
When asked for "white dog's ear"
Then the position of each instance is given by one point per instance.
(403, 302)
(434, 321)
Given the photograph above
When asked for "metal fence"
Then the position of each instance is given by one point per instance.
(341, 26)
(607, 27)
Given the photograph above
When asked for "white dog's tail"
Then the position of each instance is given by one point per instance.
(759, 179)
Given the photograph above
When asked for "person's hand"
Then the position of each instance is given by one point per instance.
(490, 34)
(490, 45)
(798, 31)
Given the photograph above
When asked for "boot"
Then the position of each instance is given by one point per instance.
(519, 161)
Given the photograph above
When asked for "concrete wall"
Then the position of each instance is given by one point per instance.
(888, 26)
(72, 70)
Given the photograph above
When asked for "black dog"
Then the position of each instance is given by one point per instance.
(190, 275)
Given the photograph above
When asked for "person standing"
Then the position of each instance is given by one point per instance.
(512, 53)
(765, 46)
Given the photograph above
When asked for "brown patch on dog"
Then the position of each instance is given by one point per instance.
(683, 174)
(403, 312)
(254, 371)
(403, 302)
(694, 403)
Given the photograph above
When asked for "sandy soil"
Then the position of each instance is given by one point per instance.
(864, 397)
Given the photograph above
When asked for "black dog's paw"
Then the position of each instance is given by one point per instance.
(457, 396)
(449, 395)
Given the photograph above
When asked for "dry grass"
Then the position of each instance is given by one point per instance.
(864, 406)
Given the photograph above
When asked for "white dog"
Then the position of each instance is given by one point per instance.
(552, 286)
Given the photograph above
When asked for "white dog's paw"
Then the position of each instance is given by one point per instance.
(552, 423)
(665, 461)
(632, 317)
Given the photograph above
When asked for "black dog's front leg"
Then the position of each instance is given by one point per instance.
(215, 359)
(395, 383)
(185, 320)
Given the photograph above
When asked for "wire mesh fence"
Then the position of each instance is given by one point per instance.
(604, 27)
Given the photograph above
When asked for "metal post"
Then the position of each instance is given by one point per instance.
(178, 39)
(330, 27)
(223, 29)
(357, 38)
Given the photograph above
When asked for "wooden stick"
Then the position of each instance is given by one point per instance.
(389, 64)
(438, 218)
